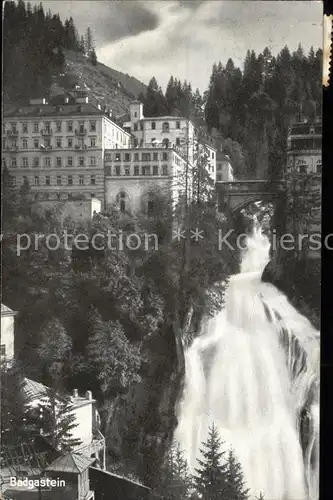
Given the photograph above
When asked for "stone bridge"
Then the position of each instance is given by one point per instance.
(236, 195)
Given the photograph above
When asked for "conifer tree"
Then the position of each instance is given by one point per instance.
(57, 421)
(93, 57)
(175, 480)
(211, 479)
(236, 488)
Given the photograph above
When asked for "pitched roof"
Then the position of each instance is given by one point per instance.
(6, 310)
(33, 390)
(72, 462)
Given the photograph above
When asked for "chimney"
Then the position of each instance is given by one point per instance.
(75, 393)
(89, 395)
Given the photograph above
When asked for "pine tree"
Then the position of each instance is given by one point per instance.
(175, 482)
(261, 496)
(16, 424)
(89, 41)
(57, 420)
(236, 489)
(93, 57)
(211, 480)
(155, 103)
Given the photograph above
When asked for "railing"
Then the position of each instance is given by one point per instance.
(12, 132)
(46, 131)
(97, 444)
(81, 146)
(44, 148)
(80, 131)
(11, 148)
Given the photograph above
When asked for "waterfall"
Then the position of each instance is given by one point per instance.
(255, 373)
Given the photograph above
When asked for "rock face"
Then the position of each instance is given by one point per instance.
(294, 267)
(142, 422)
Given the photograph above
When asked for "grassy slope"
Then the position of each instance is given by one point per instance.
(106, 85)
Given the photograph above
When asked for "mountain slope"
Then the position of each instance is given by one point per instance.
(103, 84)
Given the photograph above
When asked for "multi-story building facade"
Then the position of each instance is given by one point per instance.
(224, 170)
(60, 148)
(169, 132)
(304, 148)
(132, 175)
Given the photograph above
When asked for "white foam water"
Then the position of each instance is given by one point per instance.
(255, 374)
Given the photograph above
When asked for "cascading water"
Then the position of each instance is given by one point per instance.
(255, 374)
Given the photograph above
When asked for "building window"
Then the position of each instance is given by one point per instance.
(24, 144)
(3, 350)
(47, 161)
(219, 166)
(58, 180)
(36, 128)
(59, 162)
(155, 156)
(136, 156)
(93, 161)
(146, 157)
(24, 128)
(177, 141)
(127, 171)
(319, 167)
(25, 162)
(47, 127)
(177, 124)
(47, 180)
(136, 170)
(92, 126)
(150, 207)
(93, 179)
(92, 142)
(165, 143)
(122, 202)
(13, 180)
(107, 157)
(141, 125)
(153, 125)
(117, 170)
(219, 177)
(127, 157)
(14, 162)
(36, 180)
(135, 127)
(165, 169)
(47, 143)
(155, 170)
(164, 156)
(58, 126)
(36, 161)
(165, 127)
(14, 143)
(70, 180)
(58, 142)
(146, 170)
(70, 142)
(117, 157)
(213, 155)
(70, 126)
(81, 161)
(81, 180)
(70, 161)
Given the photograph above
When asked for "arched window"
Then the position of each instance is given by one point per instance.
(165, 127)
(318, 167)
(165, 143)
(122, 201)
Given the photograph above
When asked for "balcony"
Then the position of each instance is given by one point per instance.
(12, 133)
(46, 131)
(44, 148)
(96, 445)
(81, 146)
(80, 131)
(11, 148)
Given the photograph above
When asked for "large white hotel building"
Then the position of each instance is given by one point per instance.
(72, 150)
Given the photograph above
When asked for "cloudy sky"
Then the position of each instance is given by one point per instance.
(184, 37)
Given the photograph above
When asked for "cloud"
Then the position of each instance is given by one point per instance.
(184, 38)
